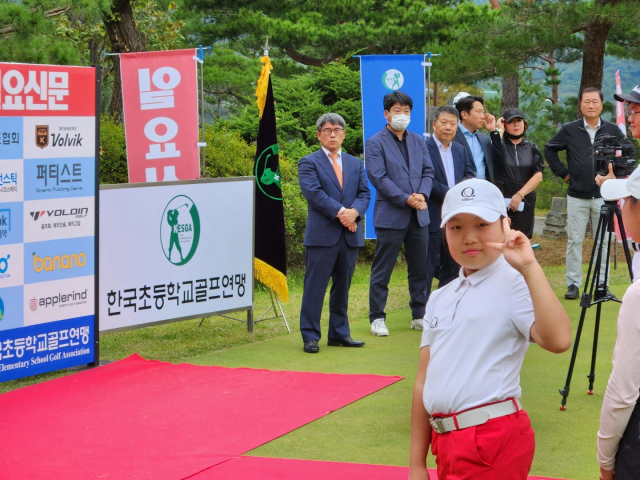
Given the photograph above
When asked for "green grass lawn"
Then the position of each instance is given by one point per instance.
(376, 428)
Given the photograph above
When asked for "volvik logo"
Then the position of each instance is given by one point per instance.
(57, 139)
(61, 212)
(42, 136)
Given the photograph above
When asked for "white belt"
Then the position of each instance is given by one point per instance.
(475, 416)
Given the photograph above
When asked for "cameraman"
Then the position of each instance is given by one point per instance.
(583, 197)
(619, 435)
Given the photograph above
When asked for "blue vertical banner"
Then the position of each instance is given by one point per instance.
(379, 75)
(49, 151)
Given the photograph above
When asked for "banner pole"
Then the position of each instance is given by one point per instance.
(201, 56)
(96, 272)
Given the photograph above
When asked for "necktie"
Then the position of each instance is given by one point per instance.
(336, 167)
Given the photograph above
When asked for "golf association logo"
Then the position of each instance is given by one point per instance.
(267, 173)
(180, 230)
(392, 79)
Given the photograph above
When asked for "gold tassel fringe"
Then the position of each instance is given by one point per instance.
(263, 83)
(272, 278)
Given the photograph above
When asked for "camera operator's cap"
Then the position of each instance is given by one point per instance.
(633, 97)
(511, 113)
(474, 196)
(622, 188)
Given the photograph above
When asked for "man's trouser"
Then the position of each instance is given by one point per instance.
(501, 449)
(578, 212)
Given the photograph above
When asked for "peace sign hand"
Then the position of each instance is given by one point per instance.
(516, 248)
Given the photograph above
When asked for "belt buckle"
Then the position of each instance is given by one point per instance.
(436, 424)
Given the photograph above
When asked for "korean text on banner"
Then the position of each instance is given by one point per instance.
(160, 98)
(47, 218)
(379, 75)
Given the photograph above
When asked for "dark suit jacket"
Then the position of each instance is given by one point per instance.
(320, 187)
(394, 181)
(462, 170)
(485, 142)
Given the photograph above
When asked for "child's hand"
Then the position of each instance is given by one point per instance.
(516, 248)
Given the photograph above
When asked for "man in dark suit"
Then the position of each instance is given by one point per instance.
(335, 186)
(399, 167)
(478, 145)
(452, 164)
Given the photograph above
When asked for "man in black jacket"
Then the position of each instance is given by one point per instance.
(583, 196)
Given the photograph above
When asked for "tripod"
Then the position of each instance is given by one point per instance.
(597, 293)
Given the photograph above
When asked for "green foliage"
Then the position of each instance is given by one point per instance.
(226, 154)
(295, 222)
(302, 99)
(113, 152)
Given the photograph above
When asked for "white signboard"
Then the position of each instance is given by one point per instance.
(175, 250)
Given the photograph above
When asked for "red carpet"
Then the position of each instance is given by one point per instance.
(259, 468)
(139, 419)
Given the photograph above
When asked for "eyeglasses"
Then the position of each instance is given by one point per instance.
(329, 131)
(630, 113)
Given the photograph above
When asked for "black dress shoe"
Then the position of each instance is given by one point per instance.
(572, 293)
(344, 342)
(311, 346)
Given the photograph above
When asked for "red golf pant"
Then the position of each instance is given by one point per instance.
(501, 449)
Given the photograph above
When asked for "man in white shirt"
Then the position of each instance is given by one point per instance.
(452, 164)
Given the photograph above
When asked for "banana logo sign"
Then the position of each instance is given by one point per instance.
(64, 262)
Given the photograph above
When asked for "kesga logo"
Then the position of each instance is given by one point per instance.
(392, 79)
(64, 262)
(65, 138)
(60, 212)
(180, 230)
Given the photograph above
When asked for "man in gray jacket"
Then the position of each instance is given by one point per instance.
(398, 166)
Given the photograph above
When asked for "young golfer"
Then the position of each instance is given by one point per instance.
(476, 332)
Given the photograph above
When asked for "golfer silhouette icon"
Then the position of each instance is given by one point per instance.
(172, 220)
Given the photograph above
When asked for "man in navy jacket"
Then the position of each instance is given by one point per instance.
(335, 187)
(399, 167)
(452, 164)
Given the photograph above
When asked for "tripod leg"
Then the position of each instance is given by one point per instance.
(625, 244)
(592, 373)
(565, 391)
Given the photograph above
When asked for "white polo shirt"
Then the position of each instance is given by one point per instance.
(478, 330)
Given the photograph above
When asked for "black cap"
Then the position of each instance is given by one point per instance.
(511, 113)
(633, 97)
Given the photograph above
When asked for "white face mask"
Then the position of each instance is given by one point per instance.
(400, 122)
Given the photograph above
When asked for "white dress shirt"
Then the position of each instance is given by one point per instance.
(447, 160)
(478, 330)
(591, 130)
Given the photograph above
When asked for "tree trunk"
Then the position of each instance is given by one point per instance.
(595, 39)
(124, 37)
(555, 93)
(436, 94)
(510, 92)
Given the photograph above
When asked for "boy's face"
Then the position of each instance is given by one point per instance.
(467, 237)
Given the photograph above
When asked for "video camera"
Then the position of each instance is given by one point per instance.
(606, 148)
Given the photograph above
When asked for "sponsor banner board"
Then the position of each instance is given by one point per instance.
(47, 218)
(175, 250)
(379, 75)
(160, 101)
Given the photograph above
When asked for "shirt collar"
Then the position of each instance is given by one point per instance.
(327, 152)
(477, 277)
(465, 130)
(586, 125)
(440, 145)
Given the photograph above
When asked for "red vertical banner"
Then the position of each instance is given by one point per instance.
(160, 98)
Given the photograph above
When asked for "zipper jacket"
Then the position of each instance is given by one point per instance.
(574, 139)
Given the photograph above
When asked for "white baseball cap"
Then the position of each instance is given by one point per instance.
(621, 188)
(475, 196)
